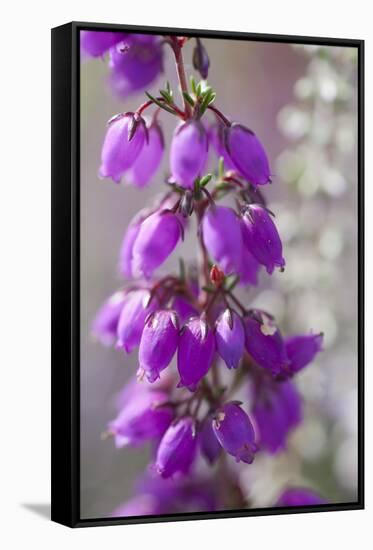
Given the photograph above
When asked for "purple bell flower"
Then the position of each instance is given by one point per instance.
(216, 136)
(96, 43)
(177, 449)
(277, 410)
(261, 237)
(302, 349)
(125, 137)
(230, 338)
(249, 268)
(188, 153)
(222, 236)
(132, 318)
(264, 343)
(183, 308)
(210, 446)
(135, 63)
(247, 154)
(299, 496)
(158, 344)
(158, 235)
(130, 236)
(235, 432)
(149, 159)
(104, 326)
(143, 418)
(195, 353)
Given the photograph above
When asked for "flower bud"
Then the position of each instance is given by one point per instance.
(277, 410)
(230, 338)
(158, 344)
(142, 418)
(210, 446)
(222, 236)
(125, 137)
(235, 432)
(261, 237)
(132, 318)
(188, 153)
(149, 159)
(177, 449)
(201, 61)
(217, 276)
(247, 154)
(96, 43)
(158, 235)
(302, 349)
(104, 326)
(264, 342)
(299, 496)
(195, 353)
(135, 63)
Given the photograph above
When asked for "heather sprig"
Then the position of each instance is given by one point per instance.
(198, 343)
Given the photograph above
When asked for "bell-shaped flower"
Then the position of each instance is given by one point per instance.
(222, 235)
(135, 63)
(216, 137)
(302, 349)
(177, 449)
(143, 418)
(149, 159)
(230, 338)
(158, 235)
(96, 43)
(300, 496)
(277, 410)
(131, 322)
(105, 323)
(235, 432)
(158, 344)
(195, 352)
(188, 153)
(264, 342)
(261, 237)
(210, 446)
(124, 140)
(247, 154)
(249, 268)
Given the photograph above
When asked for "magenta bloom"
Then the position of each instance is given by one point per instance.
(302, 349)
(96, 43)
(143, 418)
(177, 449)
(210, 446)
(126, 249)
(104, 326)
(132, 319)
(230, 338)
(125, 137)
(195, 353)
(249, 268)
(299, 496)
(277, 410)
(159, 341)
(216, 136)
(188, 153)
(135, 63)
(261, 237)
(264, 343)
(247, 154)
(222, 235)
(235, 432)
(149, 159)
(158, 235)
(183, 308)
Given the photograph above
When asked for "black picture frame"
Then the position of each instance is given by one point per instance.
(65, 467)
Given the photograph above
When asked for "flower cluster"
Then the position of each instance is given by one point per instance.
(193, 320)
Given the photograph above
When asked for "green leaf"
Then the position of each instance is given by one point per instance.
(205, 180)
(193, 85)
(221, 168)
(160, 104)
(188, 98)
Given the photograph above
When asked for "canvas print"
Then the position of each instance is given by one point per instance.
(218, 274)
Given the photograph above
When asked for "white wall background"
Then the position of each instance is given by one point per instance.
(25, 272)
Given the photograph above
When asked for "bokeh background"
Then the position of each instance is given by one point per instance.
(302, 103)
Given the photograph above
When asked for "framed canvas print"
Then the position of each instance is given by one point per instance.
(207, 277)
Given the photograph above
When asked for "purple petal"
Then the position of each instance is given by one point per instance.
(230, 338)
(177, 449)
(149, 159)
(188, 153)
